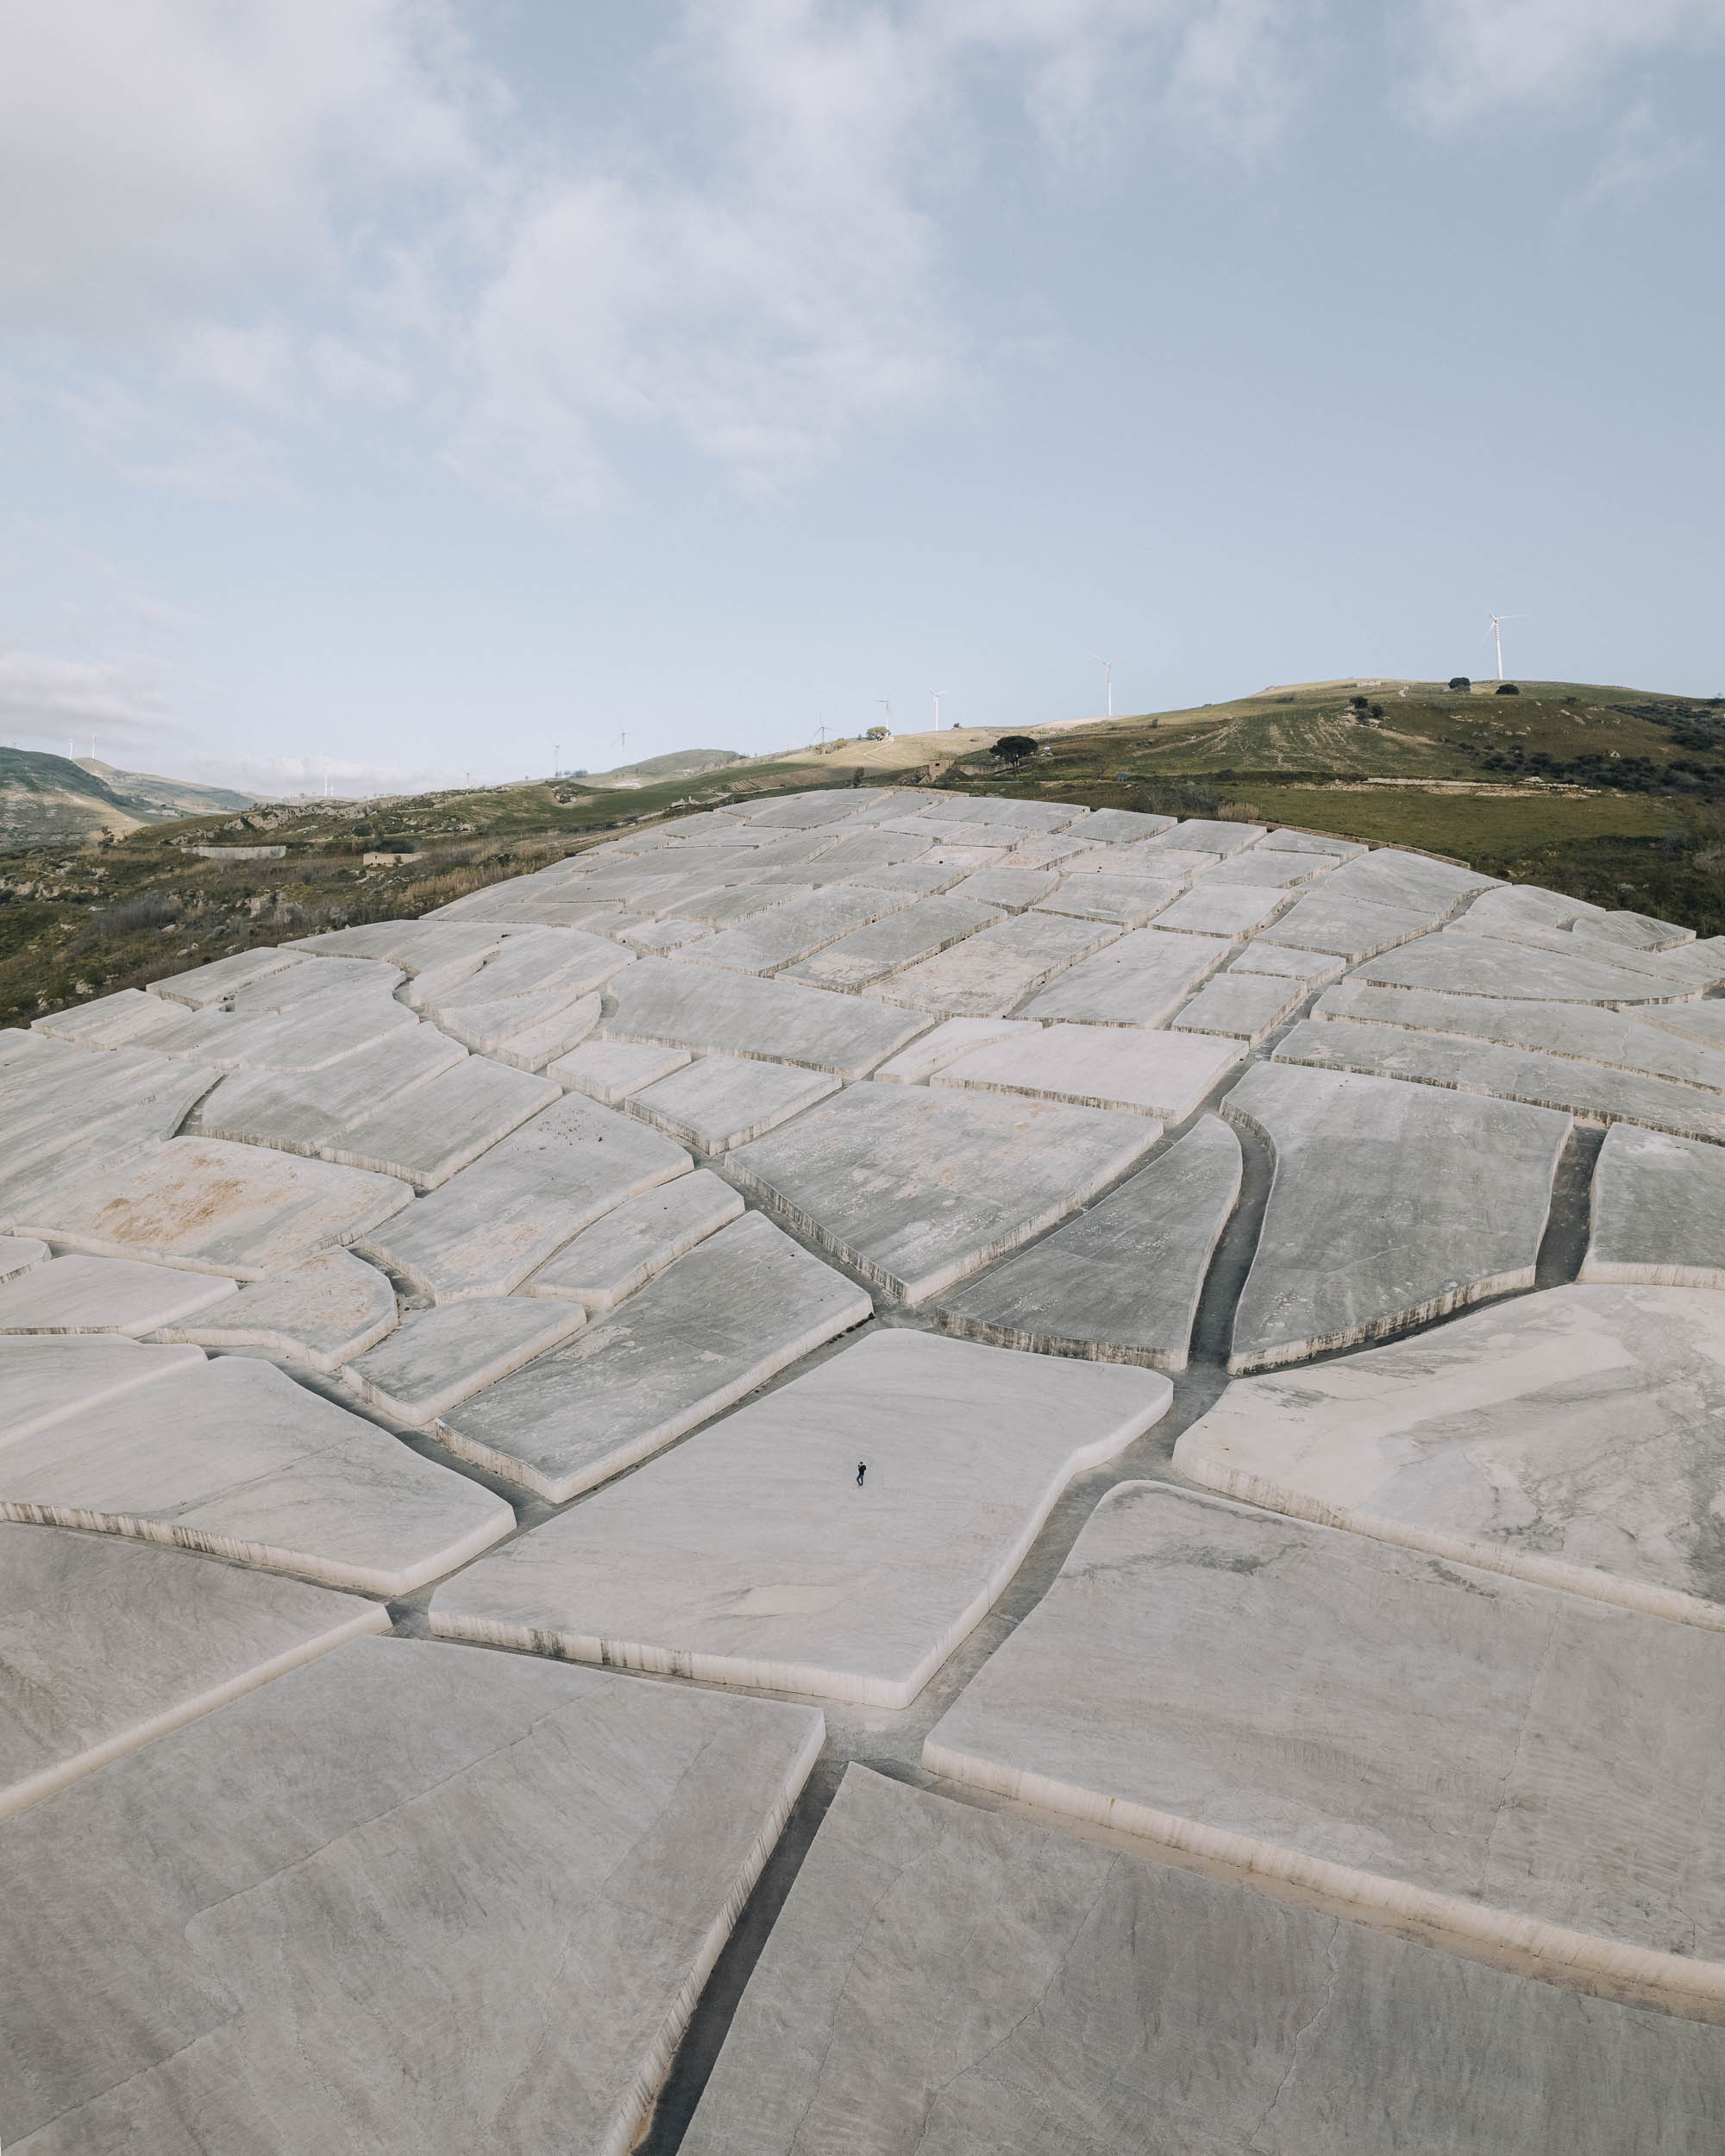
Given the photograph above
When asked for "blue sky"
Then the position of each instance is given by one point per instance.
(394, 391)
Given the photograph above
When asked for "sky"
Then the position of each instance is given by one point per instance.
(398, 391)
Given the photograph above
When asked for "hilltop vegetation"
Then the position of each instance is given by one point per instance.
(46, 799)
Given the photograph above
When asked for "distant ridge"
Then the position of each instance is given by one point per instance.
(46, 800)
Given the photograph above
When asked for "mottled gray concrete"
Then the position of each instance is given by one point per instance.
(445, 1125)
(1241, 1005)
(625, 1249)
(436, 1358)
(917, 1188)
(43, 1382)
(699, 1007)
(321, 1312)
(1263, 956)
(215, 982)
(1456, 962)
(1197, 834)
(725, 1100)
(943, 1044)
(1348, 927)
(1703, 1022)
(752, 1556)
(105, 1645)
(932, 872)
(21, 1254)
(609, 1071)
(987, 974)
(232, 1457)
(300, 1112)
(563, 959)
(497, 1221)
(1217, 907)
(525, 1031)
(1658, 1211)
(1387, 877)
(1266, 871)
(1120, 1283)
(737, 1309)
(1693, 966)
(1011, 887)
(1128, 901)
(1122, 827)
(788, 933)
(1148, 1073)
(105, 1294)
(946, 1978)
(1142, 980)
(411, 1899)
(1370, 1228)
(1310, 843)
(923, 927)
(1542, 1768)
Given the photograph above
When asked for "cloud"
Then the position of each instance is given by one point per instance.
(1471, 56)
(1641, 155)
(47, 698)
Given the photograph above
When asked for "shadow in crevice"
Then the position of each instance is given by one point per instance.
(1230, 1263)
(1569, 1223)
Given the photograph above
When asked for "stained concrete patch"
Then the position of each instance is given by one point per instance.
(1142, 980)
(609, 1071)
(496, 1222)
(1241, 1005)
(43, 1382)
(1570, 1437)
(917, 1188)
(1658, 1211)
(322, 1312)
(733, 1312)
(725, 1100)
(923, 927)
(511, 1879)
(698, 1007)
(300, 1112)
(1369, 1228)
(105, 1294)
(444, 1125)
(105, 1646)
(1538, 1782)
(628, 1247)
(20, 1253)
(966, 1981)
(216, 1207)
(1455, 962)
(1121, 1283)
(1148, 1073)
(792, 931)
(916, 1064)
(752, 1555)
(435, 1358)
(995, 968)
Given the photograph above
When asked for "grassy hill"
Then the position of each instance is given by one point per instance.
(45, 799)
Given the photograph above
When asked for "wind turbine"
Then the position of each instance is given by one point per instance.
(1108, 667)
(1495, 632)
(937, 694)
(886, 704)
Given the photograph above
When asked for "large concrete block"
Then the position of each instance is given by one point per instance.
(105, 1294)
(718, 1013)
(1121, 1283)
(44, 1381)
(1240, 1006)
(1011, 887)
(105, 1645)
(917, 1188)
(300, 1112)
(944, 1045)
(496, 1222)
(733, 1312)
(752, 1555)
(1486, 1763)
(943, 1978)
(525, 1031)
(940, 870)
(445, 1125)
(21, 1254)
(1142, 980)
(1122, 827)
(1696, 965)
(609, 1071)
(553, 958)
(785, 933)
(1416, 881)
(435, 1358)
(216, 1207)
(1570, 1438)
(1454, 962)
(1658, 1211)
(989, 971)
(232, 1457)
(410, 1899)
(1345, 926)
(926, 926)
(216, 983)
(322, 1312)
(1166, 1075)
(1265, 871)
(1310, 843)
(1369, 1228)
(1199, 835)
(1127, 901)
(1263, 956)
(625, 1249)
(1217, 907)
(725, 1100)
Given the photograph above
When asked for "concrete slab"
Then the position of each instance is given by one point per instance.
(1658, 1211)
(1313, 967)
(1153, 864)
(870, 850)
(924, 927)
(1050, 849)
(1570, 1437)
(564, 958)
(114, 1021)
(725, 1100)
(639, 1239)
(815, 810)
(934, 871)
(415, 946)
(312, 1036)
(609, 1071)
(436, 1358)
(298, 1112)
(1703, 1022)
(652, 938)
(722, 907)
(497, 1221)
(1527, 905)
(1128, 901)
(215, 982)
(917, 1188)
(1026, 816)
(1121, 1283)
(1217, 907)
(48, 1381)
(1369, 1229)
(320, 1313)
(1640, 931)
(1012, 889)
(21, 1254)
(787, 932)
(986, 1986)
(526, 1032)
(1454, 962)
(1199, 835)
(216, 1207)
(1265, 871)
(1327, 920)
(752, 1556)
(1288, 842)
(917, 1065)
(105, 1294)
(1588, 1091)
(322, 986)
(1141, 979)
(1123, 827)
(716, 1014)
(45, 1097)
(1698, 965)
(444, 1124)
(1533, 1788)
(1415, 881)
(1166, 1075)
(997, 967)
(478, 1921)
(737, 1309)
(1241, 1006)
(105, 1646)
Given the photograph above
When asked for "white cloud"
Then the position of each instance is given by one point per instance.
(1471, 56)
(50, 699)
(1640, 156)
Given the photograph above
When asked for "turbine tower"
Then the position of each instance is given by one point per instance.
(1108, 667)
(885, 704)
(937, 694)
(1495, 633)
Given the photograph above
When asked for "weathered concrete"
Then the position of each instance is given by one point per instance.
(231, 1457)
(44, 1381)
(716, 1014)
(1370, 1228)
(552, 958)
(1217, 907)
(917, 1188)
(1414, 881)
(215, 983)
(1658, 1211)
(1334, 921)
(1694, 966)
(945, 1977)
(654, 938)
(1540, 1767)
(1199, 835)
(301, 1112)
(444, 1125)
(1121, 1283)
(436, 1358)
(1142, 980)
(1266, 871)
(46, 1097)
(628, 1247)
(480, 1922)
(1128, 901)
(916, 1064)
(1241, 1006)
(733, 1312)
(815, 810)
(1312, 967)
(105, 1646)
(525, 1031)
(105, 1294)
(114, 1021)
(785, 933)
(321, 1313)
(752, 1556)
(1287, 842)
(1456, 962)
(1010, 888)
(725, 1100)
(21, 1254)
(1590, 1092)
(1703, 1022)
(1571, 1438)
(322, 986)
(1640, 931)
(989, 971)
(931, 873)
(1122, 827)
(923, 927)
(216, 1207)
(1025, 817)
(1166, 1075)
(609, 1071)
(497, 1221)
(415, 946)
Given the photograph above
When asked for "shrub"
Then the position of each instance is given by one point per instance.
(1508, 688)
(876, 733)
(1014, 748)
(150, 909)
(1460, 682)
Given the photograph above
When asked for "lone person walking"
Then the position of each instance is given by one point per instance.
(862, 1470)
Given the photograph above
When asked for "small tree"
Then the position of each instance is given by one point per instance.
(876, 733)
(1508, 688)
(1014, 748)
(1460, 682)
